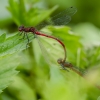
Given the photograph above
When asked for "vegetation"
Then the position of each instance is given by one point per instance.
(26, 73)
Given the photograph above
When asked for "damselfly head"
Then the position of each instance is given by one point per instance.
(21, 28)
(60, 61)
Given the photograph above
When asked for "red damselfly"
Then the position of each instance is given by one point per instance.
(60, 19)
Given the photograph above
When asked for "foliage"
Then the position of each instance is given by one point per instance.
(39, 79)
(8, 58)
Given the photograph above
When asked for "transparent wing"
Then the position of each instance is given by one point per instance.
(61, 18)
(51, 49)
(64, 17)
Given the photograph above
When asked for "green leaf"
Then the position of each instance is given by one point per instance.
(7, 70)
(13, 44)
(14, 10)
(2, 38)
(31, 17)
(36, 16)
(9, 47)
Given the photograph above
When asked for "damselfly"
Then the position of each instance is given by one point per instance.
(60, 19)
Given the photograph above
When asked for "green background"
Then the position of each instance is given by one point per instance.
(28, 73)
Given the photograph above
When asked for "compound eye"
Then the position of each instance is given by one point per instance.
(60, 60)
(21, 28)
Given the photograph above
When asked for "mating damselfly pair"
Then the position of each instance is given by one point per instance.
(61, 18)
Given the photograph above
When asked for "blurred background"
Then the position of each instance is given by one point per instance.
(38, 80)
